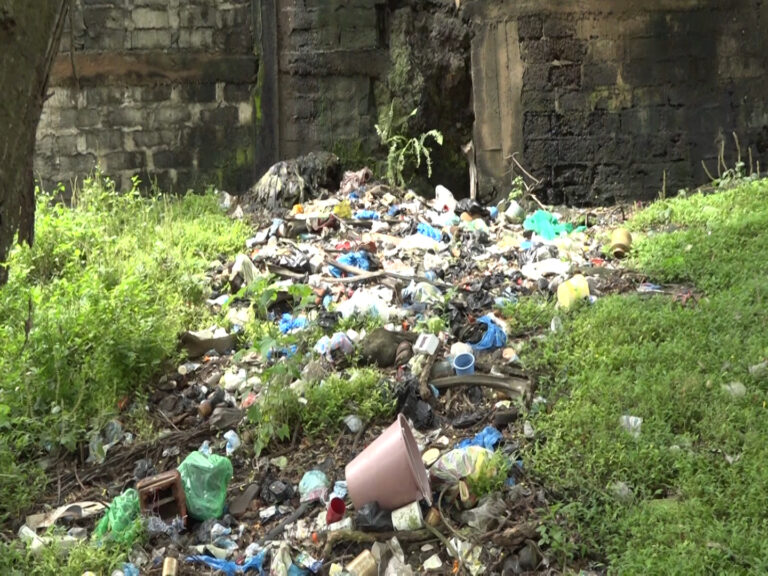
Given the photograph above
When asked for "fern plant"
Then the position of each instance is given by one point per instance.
(403, 151)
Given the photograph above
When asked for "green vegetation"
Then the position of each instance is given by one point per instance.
(698, 470)
(405, 154)
(90, 313)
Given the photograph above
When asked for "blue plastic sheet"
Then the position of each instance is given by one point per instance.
(288, 323)
(357, 259)
(366, 215)
(487, 438)
(230, 568)
(494, 336)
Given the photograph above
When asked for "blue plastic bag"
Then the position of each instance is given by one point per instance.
(429, 231)
(366, 215)
(487, 438)
(230, 568)
(494, 336)
(356, 259)
(288, 323)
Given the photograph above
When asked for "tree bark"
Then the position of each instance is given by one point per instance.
(29, 40)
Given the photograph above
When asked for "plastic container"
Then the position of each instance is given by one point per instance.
(621, 242)
(389, 471)
(364, 564)
(572, 291)
(408, 517)
(464, 364)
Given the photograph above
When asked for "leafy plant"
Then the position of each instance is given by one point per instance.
(491, 476)
(404, 152)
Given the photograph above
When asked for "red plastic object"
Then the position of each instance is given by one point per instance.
(335, 512)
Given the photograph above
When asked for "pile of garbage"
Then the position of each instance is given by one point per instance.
(429, 286)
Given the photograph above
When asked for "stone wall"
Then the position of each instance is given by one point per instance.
(158, 88)
(602, 98)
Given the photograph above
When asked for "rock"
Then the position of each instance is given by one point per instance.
(381, 345)
(529, 558)
(511, 566)
(224, 418)
(735, 389)
(502, 418)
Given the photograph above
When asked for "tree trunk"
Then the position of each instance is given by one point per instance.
(29, 40)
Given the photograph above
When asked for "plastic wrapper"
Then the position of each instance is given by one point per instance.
(205, 480)
(485, 516)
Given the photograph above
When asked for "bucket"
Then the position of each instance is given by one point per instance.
(464, 364)
(621, 242)
(572, 291)
(389, 471)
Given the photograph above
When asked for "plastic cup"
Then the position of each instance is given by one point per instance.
(408, 517)
(335, 512)
(464, 364)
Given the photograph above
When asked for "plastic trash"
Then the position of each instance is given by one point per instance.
(358, 259)
(409, 517)
(464, 364)
(494, 336)
(205, 479)
(335, 511)
(371, 518)
(574, 290)
(336, 347)
(485, 516)
(366, 215)
(632, 424)
(621, 242)
(313, 486)
(488, 437)
(546, 225)
(460, 463)
(444, 199)
(429, 231)
(290, 324)
(422, 293)
(233, 441)
(230, 568)
(118, 523)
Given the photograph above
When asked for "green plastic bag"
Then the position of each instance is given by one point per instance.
(118, 522)
(546, 225)
(205, 480)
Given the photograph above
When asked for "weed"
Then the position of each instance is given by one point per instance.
(90, 313)
(491, 475)
(404, 152)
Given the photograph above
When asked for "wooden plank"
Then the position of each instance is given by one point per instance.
(148, 68)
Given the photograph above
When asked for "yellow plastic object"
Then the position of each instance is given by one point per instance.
(572, 291)
(343, 210)
(297, 209)
(621, 242)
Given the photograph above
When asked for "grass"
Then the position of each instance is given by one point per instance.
(105, 290)
(698, 470)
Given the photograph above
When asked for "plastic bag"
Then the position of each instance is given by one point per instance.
(118, 521)
(357, 259)
(488, 437)
(460, 463)
(545, 224)
(494, 336)
(313, 486)
(205, 480)
(486, 515)
(230, 568)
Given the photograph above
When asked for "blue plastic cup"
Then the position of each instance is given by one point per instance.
(464, 364)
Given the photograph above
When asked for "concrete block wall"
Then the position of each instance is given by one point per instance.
(158, 88)
(330, 54)
(609, 96)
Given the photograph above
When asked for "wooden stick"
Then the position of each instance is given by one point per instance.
(339, 536)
